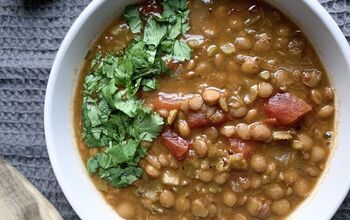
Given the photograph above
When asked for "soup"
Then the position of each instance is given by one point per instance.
(204, 110)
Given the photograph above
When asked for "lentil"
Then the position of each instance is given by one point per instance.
(196, 102)
(265, 90)
(211, 96)
(326, 111)
(167, 199)
(260, 132)
(126, 210)
(182, 204)
(229, 198)
(228, 130)
(250, 66)
(199, 209)
(200, 147)
(258, 163)
(280, 207)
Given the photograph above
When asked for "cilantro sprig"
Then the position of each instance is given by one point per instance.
(114, 118)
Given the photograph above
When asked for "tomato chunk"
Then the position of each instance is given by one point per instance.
(173, 65)
(239, 146)
(200, 120)
(175, 144)
(150, 7)
(161, 102)
(286, 108)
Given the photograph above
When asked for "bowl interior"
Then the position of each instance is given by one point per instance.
(69, 169)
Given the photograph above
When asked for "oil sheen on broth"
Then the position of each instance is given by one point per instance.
(247, 161)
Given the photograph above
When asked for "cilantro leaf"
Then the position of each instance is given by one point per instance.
(96, 59)
(141, 57)
(123, 72)
(185, 27)
(92, 165)
(122, 176)
(146, 125)
(122, 152)
(118, 123)
(109, 90)
(176, 29)
(91, 83)
(181, 51)
(96, 137)
(132, 16)
(141, 151)
(128, 106)
(149, 84)
(154, 32)
(177, 5)
(167, 46)
(94, 113)
(168, 13)
(109, 165)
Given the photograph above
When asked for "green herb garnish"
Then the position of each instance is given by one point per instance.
(113, 117)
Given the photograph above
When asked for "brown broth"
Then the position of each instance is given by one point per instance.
(219, 23)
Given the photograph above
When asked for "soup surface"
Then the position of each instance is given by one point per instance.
(242, 128)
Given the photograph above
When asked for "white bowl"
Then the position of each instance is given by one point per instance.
(321, 30)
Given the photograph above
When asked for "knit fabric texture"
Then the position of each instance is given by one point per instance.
(30, 34)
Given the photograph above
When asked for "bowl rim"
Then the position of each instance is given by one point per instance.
(314, 6)
(63, 49)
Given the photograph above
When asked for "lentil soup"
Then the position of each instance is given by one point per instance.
(242, 125)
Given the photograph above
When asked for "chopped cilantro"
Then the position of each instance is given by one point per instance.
(175, 29)
(149, 84)
(113, 116)
(122, 152)
(132, 16)
(181, 51)
(128, 106)
(154, 32)
(177, 5)
(146, 126)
